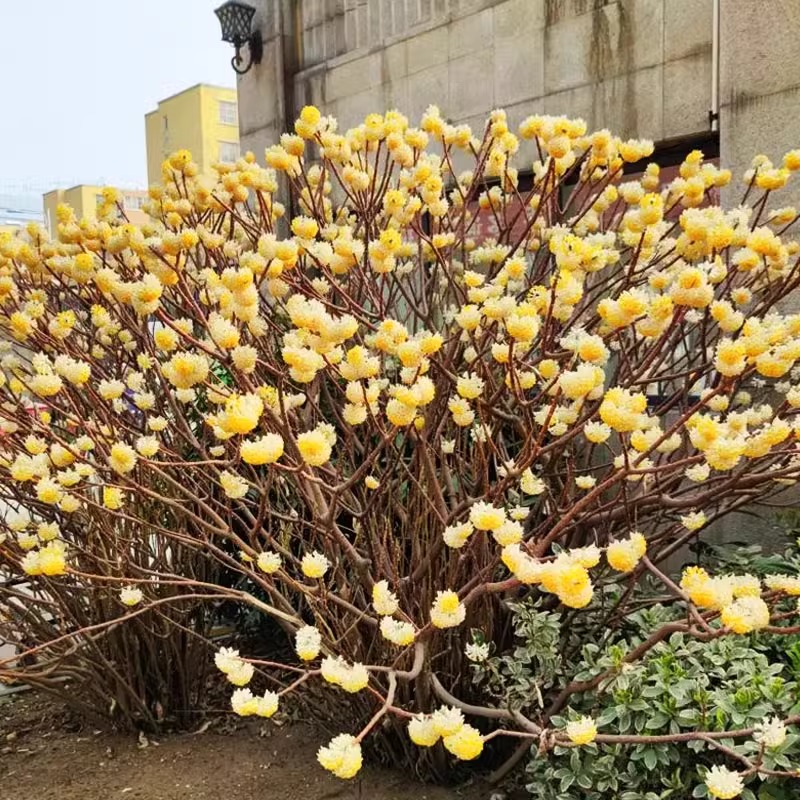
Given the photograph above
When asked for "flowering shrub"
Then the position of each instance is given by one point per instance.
(389, 427)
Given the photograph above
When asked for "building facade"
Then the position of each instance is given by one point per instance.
(17, 209)
(721, 74)
(85, 198)
(203, 119)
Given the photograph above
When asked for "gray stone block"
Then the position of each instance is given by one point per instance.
(471, 90)
(354, 108)
(362, 27)
(759, 47)
(353, 76)
(428, 49)
(687, 28)
(425, 10)
(566, 53)
(630, 104)
(687, 95)
(606, 41)
(760, 125)
(576, 103)
(374, 23)
(640, 33)
(260, 96)
(395, 62)
(470, 33)
(519, 68)
(513, 18)
(396, 95)
(428, 87)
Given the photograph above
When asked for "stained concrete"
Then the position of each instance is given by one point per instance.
(639, 67)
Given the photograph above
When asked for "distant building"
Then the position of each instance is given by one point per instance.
(18, 209)
(203, 119)
(84, 200)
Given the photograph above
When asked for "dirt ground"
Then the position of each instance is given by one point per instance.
(46, 755)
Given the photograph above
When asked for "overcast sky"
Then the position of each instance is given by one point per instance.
(79, 76)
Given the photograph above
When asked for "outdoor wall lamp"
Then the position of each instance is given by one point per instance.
(235, 19)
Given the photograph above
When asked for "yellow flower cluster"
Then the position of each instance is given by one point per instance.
(49, 560)
(351, 677)
(308, 643)
(447, 611)
(238, 671)
(625, 554)
(736, 597)
(447, 724)
(341, 756)
(582, 730)
(245, 704)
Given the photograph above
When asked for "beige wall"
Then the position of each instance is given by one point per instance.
(760, 84)
(641, 67)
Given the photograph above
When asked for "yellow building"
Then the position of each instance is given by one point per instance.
(203, 119)
(84, 200)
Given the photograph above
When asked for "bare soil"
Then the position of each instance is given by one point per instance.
(46, 754)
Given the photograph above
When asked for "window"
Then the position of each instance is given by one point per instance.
(227, 112)
(228, 151)
(133, 201)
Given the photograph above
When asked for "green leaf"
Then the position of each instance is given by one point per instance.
(567, 781)
(608, 715)
(658, 720)
(584, 780)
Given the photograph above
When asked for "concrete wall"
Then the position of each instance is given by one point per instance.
(640, 67)
(760, 84)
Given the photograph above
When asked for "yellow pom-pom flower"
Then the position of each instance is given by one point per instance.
(315, 447)
(314, 565)
(447, 611)
(465, 744)
(397, 632)
(341, 756)
(269, 562)
(233, 485)
(745, 614)
(266, 450)
(581, 731)
(422, 732)
(625, 554)
(723, 783)
(122, 458)
(308, 642)
(130, 595)
(486, 517)
(384, 599)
